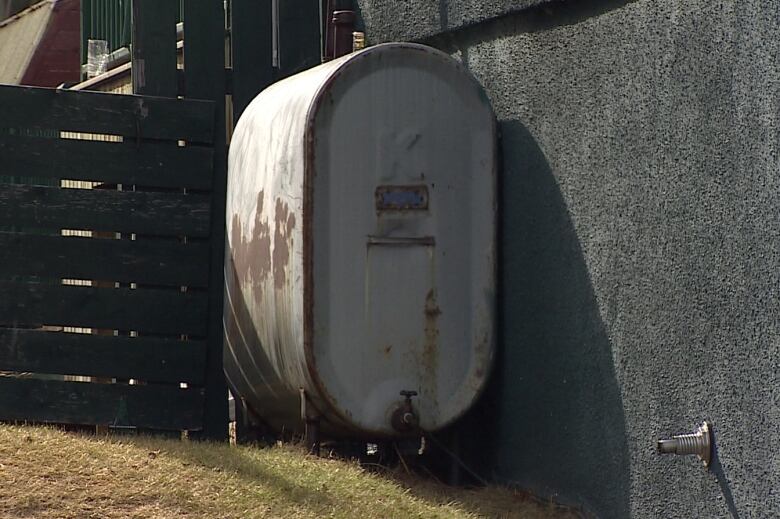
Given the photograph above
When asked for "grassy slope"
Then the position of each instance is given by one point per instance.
(46, 473)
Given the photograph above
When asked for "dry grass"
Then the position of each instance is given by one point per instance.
(47, 473)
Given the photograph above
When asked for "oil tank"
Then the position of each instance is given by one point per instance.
(360, 271)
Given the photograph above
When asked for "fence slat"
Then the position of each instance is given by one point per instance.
(141, 358)
(139, 117)
(151, 311)
(151, 262)
(105, 210)
(53, 401)
(150, 164)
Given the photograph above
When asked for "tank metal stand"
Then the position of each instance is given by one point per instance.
(311, 420)
(312, 437)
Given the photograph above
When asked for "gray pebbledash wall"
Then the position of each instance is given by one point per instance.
(640, 244)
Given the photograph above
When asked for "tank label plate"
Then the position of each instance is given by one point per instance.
(401, 198)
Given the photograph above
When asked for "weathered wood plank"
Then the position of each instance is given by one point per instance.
(154, 262)
(147, 311)
(150, 164)
(105, 210)
(52, 401)
(140, 358)
(139, 117)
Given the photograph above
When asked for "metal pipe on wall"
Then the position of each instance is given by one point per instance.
(339, 24)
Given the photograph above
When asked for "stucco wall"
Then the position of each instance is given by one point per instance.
(398, 20)
(641, 244)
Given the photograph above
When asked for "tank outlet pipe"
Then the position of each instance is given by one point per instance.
(405, 419)
(699, 443)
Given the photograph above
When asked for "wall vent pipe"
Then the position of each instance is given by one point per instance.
(698, 443)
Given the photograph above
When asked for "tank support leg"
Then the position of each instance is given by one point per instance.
(456, 474)
(312, 436)
(311, 433)
(244, 432)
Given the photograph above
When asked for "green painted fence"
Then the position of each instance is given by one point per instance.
(131, 280)
(111, 20)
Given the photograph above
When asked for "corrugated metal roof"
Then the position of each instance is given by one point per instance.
(19, 37)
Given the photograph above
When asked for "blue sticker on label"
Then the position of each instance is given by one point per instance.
(398, 198)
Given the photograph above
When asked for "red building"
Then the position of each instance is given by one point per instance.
(40, 45)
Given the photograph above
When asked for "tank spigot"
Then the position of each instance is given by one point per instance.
(698, 442)
(404, 418)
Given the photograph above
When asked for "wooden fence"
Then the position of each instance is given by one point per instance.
(140, 245)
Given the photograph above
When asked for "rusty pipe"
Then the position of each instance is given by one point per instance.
(343, 27)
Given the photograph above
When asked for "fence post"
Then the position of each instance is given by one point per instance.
(154, 48)
(252, 51)
(204, 69)
(299, 36)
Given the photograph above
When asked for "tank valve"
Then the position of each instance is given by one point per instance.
(404, 418)
(699, 443)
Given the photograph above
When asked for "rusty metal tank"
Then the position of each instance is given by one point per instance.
(361, 216)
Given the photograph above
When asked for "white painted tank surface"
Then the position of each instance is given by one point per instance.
(361, 225)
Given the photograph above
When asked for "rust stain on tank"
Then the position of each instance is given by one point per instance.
(283, 242)
(252, 255)
(481, 350)
(430, 351)
(482, 354)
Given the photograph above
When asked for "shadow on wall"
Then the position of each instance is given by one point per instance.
(717, 470)
(544, 16)
(553, 405)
